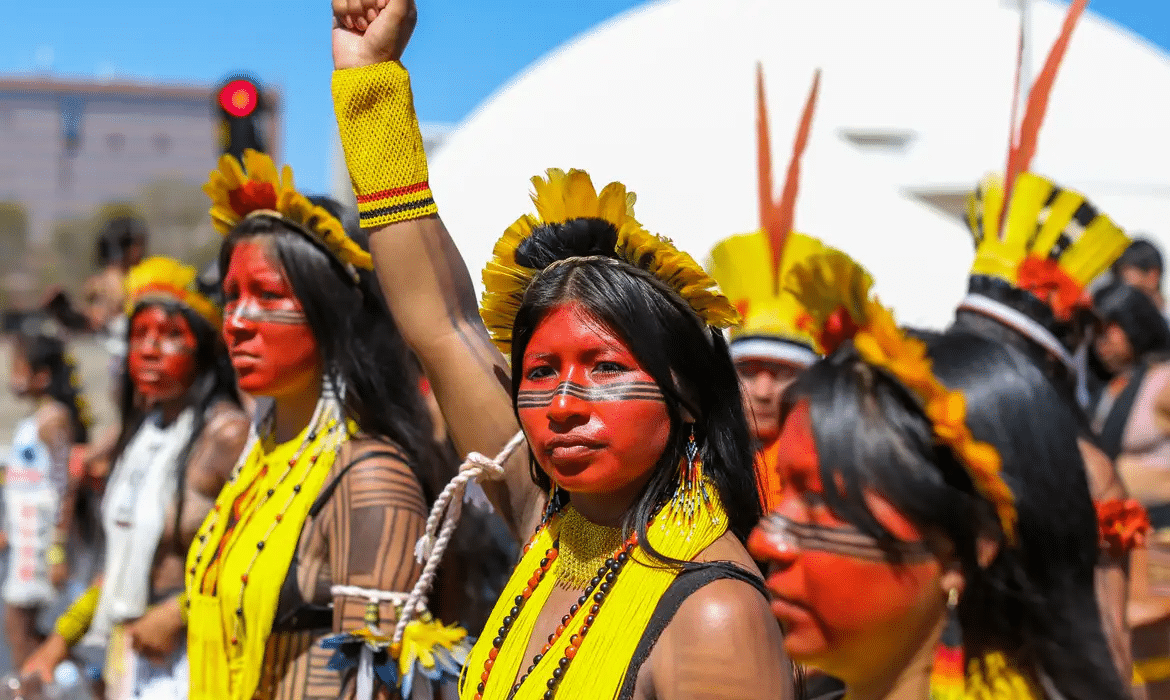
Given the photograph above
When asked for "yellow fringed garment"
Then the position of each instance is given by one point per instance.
(221, 670)
(601, 661)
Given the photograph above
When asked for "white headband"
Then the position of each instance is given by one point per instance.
(1021, 323)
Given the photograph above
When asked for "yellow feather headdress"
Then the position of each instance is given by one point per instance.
(561, 197)
(1031, 233)
(254, 188)
(837, 293)
(168, 280)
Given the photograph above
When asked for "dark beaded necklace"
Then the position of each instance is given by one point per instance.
(597, 590)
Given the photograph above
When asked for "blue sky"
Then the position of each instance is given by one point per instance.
(462, 51)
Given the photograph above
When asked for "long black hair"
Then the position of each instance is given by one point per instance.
(1035, 602)
(47, 351)
(360, 345)
(1138, 317)
(689, 362)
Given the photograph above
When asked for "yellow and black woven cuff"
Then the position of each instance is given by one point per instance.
(382, 143)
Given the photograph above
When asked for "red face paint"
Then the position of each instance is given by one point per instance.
(844, 609)
(161, 354)
(596, 421)
(271, 345)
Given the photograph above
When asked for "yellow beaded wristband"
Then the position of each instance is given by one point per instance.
(75, 622)
(55, 555)
(382, 143)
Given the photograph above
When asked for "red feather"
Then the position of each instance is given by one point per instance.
(1024, 147)
(785, 210)
(764, 157)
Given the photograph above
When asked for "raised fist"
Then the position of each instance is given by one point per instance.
(366, 32)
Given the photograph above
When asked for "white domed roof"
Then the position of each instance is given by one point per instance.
(662, 98)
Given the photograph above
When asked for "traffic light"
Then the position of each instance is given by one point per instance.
(241, 107)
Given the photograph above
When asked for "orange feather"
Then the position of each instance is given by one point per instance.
(1024, 147)
(768, 220)
(783, 214)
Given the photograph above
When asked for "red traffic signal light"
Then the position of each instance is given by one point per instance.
(239, 98)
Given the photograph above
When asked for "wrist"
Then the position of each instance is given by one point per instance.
(383, 144)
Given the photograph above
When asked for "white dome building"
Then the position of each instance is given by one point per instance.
(914, 109)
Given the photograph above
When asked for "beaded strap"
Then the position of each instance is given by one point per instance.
(382, 143)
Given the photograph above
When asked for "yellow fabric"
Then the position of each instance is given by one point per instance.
(75, 622)
(742, 265)
(995, 679)
(221, 670)
(1039, 223)
(600, 665)
(563, 196)
(382, 143)
(1151, 670)
(169, 280)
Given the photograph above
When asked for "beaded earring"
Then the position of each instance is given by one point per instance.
(691, 491)
(947, 677)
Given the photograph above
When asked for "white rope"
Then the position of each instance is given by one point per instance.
(441, 524)
(371, 594)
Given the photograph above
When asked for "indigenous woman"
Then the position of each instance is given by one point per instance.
(639, 482)
(320, 517)
(36, 478)
(181, 431)
(933, 540)
(1038, 247)
(1131, 343)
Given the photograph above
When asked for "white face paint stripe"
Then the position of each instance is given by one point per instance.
(251, 311)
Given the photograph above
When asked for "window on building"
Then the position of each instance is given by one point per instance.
(72, 109)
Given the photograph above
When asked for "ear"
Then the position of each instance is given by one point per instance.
(986, 550)
(952, 580)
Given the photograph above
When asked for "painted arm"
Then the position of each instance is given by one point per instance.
(427, 285)
(364, 536)
(56, 433)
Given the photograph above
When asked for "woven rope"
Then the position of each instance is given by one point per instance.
(441, 524)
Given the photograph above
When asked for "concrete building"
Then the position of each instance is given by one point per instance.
(914, 109)
(67, 146)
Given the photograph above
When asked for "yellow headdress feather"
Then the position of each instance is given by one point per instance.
(837, 292)
(167, 279)
(255, 187)
(561, 197)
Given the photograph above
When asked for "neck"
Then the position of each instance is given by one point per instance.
(293, 412)
(609, 509)
(907, 680)
(171, 408)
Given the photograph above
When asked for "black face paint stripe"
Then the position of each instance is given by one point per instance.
(623, 391)
(843, 540)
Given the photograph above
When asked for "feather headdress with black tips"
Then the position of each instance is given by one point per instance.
(750, 267)
(560, 197)
(1032, 235)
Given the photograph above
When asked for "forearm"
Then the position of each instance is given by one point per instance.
(1112, 583)
(425, 281)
